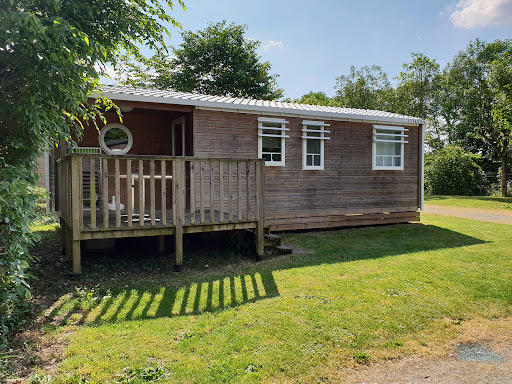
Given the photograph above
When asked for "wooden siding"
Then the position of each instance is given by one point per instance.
(151, 131)
(347, 186)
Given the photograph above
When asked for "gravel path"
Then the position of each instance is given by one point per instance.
(502, 216)
(496, 335)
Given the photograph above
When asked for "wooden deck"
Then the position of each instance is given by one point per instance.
(158, 228)
(177, 195)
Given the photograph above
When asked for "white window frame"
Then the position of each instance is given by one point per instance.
(399, 138)
(118, 152)
(280, 132)
(306, 137)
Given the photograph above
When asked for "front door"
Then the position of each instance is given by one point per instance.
(178, 137)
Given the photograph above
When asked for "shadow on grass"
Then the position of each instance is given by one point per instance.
(148, 294)
(138, 304)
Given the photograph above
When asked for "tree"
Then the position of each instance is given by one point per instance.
(366, 88)
(475, 100)
(500, 84)
(417, 85)
(314, 98)
(51, 56)
(416, 94)
(218, 60)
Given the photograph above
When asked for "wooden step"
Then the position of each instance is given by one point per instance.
(272, 240)
(284, 250)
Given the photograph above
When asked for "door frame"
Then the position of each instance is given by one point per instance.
(174, 125)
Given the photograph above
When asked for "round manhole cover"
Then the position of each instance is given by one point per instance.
(478, 353)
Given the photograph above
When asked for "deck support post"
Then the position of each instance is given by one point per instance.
(179, 213)
(77, 265)
(161, 244)
(76, 212)
(178, 248)
(260, 208)
(68, 239)
(63, 236)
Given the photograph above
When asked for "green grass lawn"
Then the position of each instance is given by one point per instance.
(364, 295)
(484, 202)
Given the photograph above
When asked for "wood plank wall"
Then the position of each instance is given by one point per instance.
(347, 185)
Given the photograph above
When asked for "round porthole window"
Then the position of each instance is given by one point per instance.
(116, 139)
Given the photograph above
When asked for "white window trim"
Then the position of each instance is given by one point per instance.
(375, 139)
(280, 132)
(106, 149)
(306, 137)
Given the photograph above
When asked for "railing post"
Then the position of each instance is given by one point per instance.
(117, 192)
(260, 207)
(142, 195)
(152, 200)
(163, 192)
(92, 184)
(104, 193)
(76, 210)
(179, 213)
(192, 192)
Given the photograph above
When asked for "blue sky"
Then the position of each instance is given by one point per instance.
(310, 43)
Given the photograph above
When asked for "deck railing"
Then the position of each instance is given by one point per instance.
(104, 196)
(102, 192)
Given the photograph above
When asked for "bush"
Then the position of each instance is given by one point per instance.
(17, 210)
(452, 171)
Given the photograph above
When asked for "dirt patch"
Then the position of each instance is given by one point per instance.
(484, 337)
(35, 349)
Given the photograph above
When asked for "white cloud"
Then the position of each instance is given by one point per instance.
(472, 13)
(108, 75)
(106, 70)
(269, 44)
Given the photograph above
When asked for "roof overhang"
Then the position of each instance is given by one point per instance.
(250, 106)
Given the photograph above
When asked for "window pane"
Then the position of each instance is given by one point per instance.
(387, 137)
(313, 146)
(384, 148)
(309, 160)
(271, 144)
(313, 128)
(116, 139)
(273, 125)
(379, 161)
(266, 156)
(398, 149)
(388, 161)
(398, 161)
(317, 160)
(390, 133)
(276, 157)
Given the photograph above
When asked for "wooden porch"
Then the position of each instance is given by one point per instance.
(104, 197)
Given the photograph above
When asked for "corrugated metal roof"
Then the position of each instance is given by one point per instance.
(118, 92)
